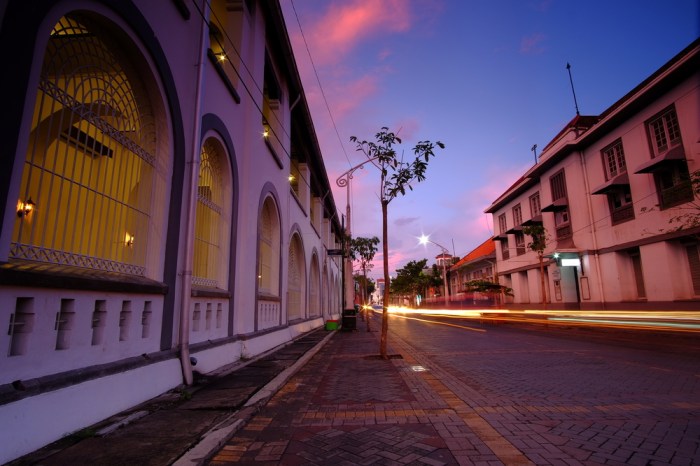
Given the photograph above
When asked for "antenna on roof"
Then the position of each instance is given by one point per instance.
(568, 68)
(534, 151)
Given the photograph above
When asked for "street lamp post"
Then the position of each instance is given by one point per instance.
(343, 181)
(425, 240)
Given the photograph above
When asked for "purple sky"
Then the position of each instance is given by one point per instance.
(488, 78)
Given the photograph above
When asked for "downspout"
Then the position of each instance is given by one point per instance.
(593, 227)
(191, 199)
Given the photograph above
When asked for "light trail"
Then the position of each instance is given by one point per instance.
(672, 321)
(463, 327)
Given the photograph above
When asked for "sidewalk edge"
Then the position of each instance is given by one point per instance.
(218, 436)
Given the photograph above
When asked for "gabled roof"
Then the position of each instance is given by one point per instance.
(485, 249)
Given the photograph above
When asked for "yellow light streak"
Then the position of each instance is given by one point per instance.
(672, 321)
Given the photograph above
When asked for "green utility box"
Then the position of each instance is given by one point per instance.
(331, 325)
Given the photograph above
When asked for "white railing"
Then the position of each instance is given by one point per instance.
(268, 313)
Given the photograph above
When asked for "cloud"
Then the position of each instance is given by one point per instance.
(403, 221)
(348, 23)
(347, 96)
(532, 44)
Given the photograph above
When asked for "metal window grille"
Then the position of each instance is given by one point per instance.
(268, 250)
(89, 164)
(314, 288)
(207, 241)
(295, 279)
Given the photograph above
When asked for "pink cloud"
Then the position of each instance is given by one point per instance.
(407, 129)
(353, 95)
(346, 24)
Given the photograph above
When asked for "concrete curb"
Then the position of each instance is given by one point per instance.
(215, 438)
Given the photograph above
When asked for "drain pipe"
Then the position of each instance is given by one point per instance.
(191, 199)
(594, 232)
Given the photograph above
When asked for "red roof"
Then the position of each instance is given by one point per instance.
(484, 249)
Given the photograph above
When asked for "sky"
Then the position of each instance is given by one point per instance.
(487, 78)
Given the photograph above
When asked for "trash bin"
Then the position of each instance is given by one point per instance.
(349, 319)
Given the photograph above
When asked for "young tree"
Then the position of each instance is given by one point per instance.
(487, 287)
(396, 176)
(363, 251)
(538, 234)
(410, 280)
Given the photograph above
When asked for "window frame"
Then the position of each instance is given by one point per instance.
(517, 215)
(502, 224)
(535, 200)
(653, 134)
(613, 157)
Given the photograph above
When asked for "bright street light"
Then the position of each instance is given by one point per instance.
(425, 239)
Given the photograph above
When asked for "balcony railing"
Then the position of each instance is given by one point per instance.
(622, 214)
(677, 194)
(564, 231)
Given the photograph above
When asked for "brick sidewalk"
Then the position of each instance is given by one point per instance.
(348, 406)
(442, 405)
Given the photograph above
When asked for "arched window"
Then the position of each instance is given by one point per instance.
(314, 288)
(296, 280)
(269, 249)
(209, 224)
(325, 293)
(91, 158)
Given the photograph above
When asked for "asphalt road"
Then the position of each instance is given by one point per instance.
(630, 398)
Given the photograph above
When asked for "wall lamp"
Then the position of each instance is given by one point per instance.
(24, 208)
(128, 239)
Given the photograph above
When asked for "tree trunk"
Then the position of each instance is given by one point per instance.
(365, 310)
(385, 303)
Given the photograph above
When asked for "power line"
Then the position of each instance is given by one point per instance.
(229, 41)
(318, 80)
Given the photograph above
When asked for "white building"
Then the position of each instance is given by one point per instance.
(162, 197)
(606, 189)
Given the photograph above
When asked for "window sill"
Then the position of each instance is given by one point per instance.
(44, 275)
(268, 297)
(199, 292)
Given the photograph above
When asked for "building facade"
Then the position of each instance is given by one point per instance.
(163, 204)
(478, 264)
(607, 191)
